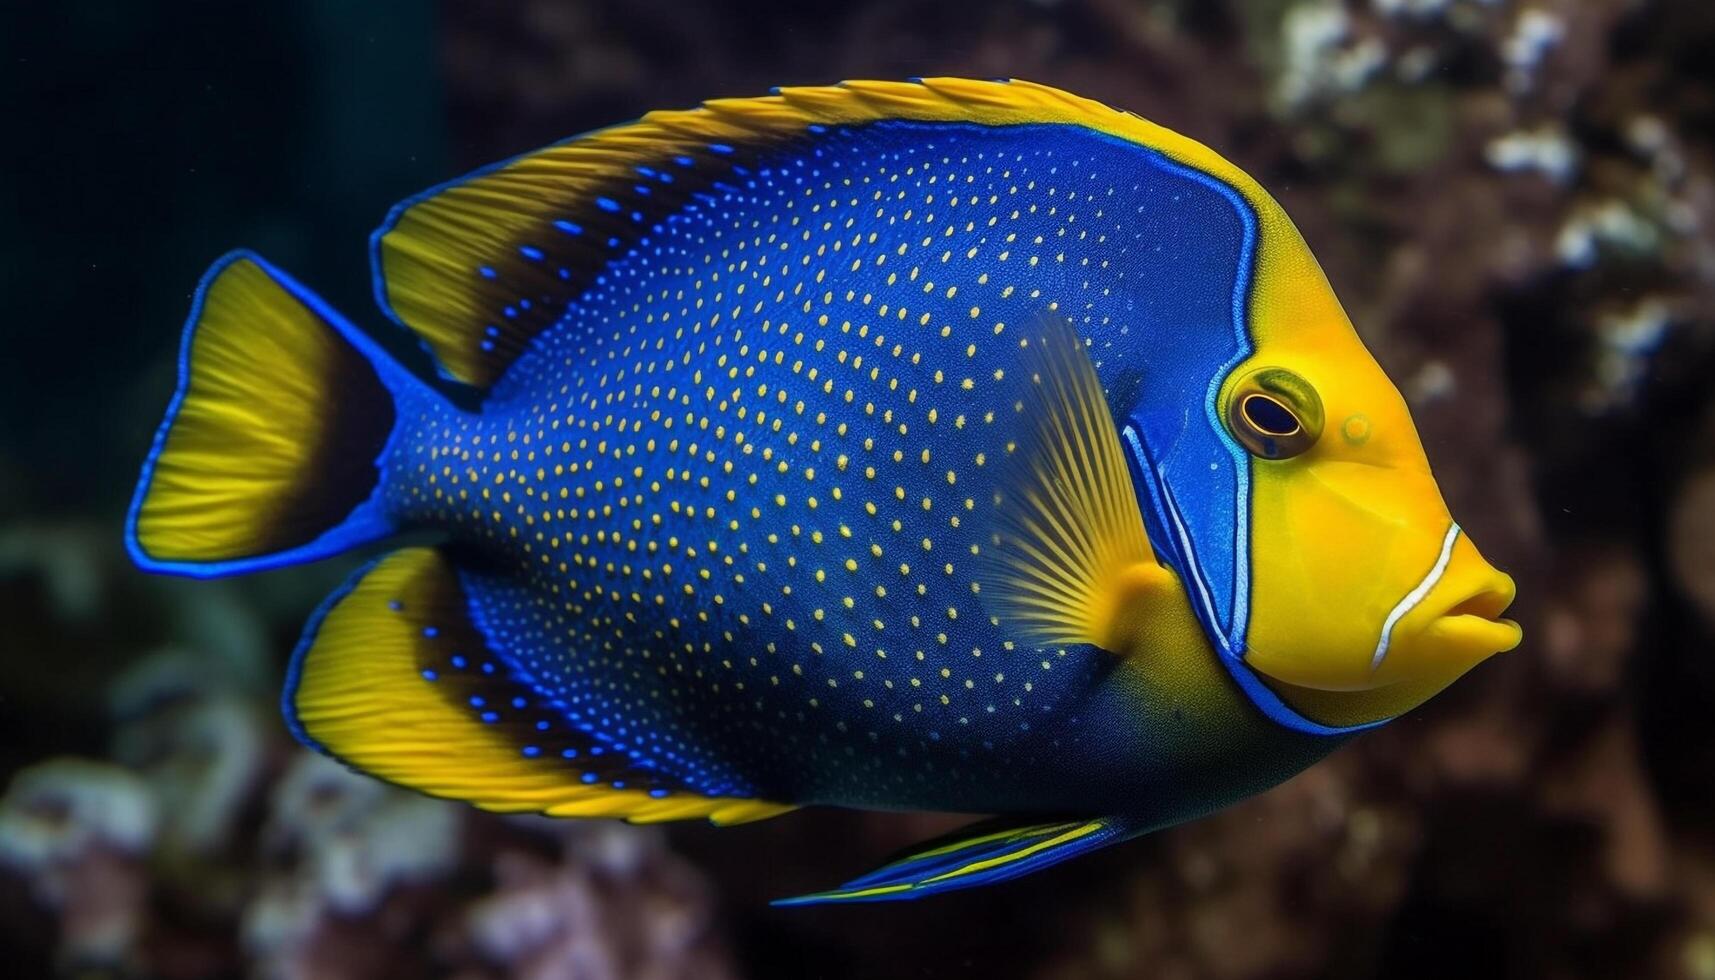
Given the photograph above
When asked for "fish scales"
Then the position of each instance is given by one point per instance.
(746, 478)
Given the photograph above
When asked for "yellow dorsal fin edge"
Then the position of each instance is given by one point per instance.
(455, 264)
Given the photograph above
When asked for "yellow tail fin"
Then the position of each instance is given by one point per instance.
(270, 451)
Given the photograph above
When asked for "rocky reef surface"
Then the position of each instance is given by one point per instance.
(201, 842)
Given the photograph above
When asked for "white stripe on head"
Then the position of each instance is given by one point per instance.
(1415, 596)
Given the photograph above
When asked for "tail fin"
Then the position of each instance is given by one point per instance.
(272, 447)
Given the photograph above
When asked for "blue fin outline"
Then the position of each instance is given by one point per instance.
(982, 854)
(367, 522)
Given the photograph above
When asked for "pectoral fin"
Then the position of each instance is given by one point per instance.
(981, 854)
(1069, 560)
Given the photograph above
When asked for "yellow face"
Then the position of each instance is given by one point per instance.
(1366, 598)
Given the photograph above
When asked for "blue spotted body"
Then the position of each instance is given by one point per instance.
(734, 499)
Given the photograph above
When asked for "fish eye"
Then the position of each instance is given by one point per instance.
(1275, 414)
(1268, 416)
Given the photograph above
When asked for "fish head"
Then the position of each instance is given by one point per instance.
(1298, 506)
(1360, 578)
(1364, 595)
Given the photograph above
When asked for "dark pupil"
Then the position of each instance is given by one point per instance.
(1269, 416)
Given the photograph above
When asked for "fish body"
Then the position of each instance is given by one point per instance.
(925, 445)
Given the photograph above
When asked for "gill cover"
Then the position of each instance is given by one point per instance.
(1195, 480)
(1194, 477)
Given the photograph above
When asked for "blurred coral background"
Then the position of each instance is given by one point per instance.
(1514, 198)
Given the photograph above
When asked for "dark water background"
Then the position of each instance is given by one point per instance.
(1516, 202)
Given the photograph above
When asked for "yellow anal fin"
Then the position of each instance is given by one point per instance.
(268, 454)
(393, 678)
(1070, 560)
(480, 265)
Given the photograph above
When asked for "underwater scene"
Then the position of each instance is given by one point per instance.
(747, 489)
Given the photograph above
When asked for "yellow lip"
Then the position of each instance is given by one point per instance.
(1468, 626)
(1458, 623)
(1475, 634)
(1474, 622)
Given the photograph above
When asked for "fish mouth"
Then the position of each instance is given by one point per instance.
(1475, 621)
(1470, 626)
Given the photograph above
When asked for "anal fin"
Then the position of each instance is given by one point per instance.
(981, 854)
(393, 677)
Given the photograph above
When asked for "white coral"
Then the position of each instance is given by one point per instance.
(57, 810)
(1546, 150)
(1319, 57)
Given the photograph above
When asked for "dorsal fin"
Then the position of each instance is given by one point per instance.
(479, 266)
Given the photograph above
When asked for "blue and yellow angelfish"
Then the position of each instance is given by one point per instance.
(954, 445)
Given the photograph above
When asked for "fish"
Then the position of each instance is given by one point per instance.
(942, 444)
